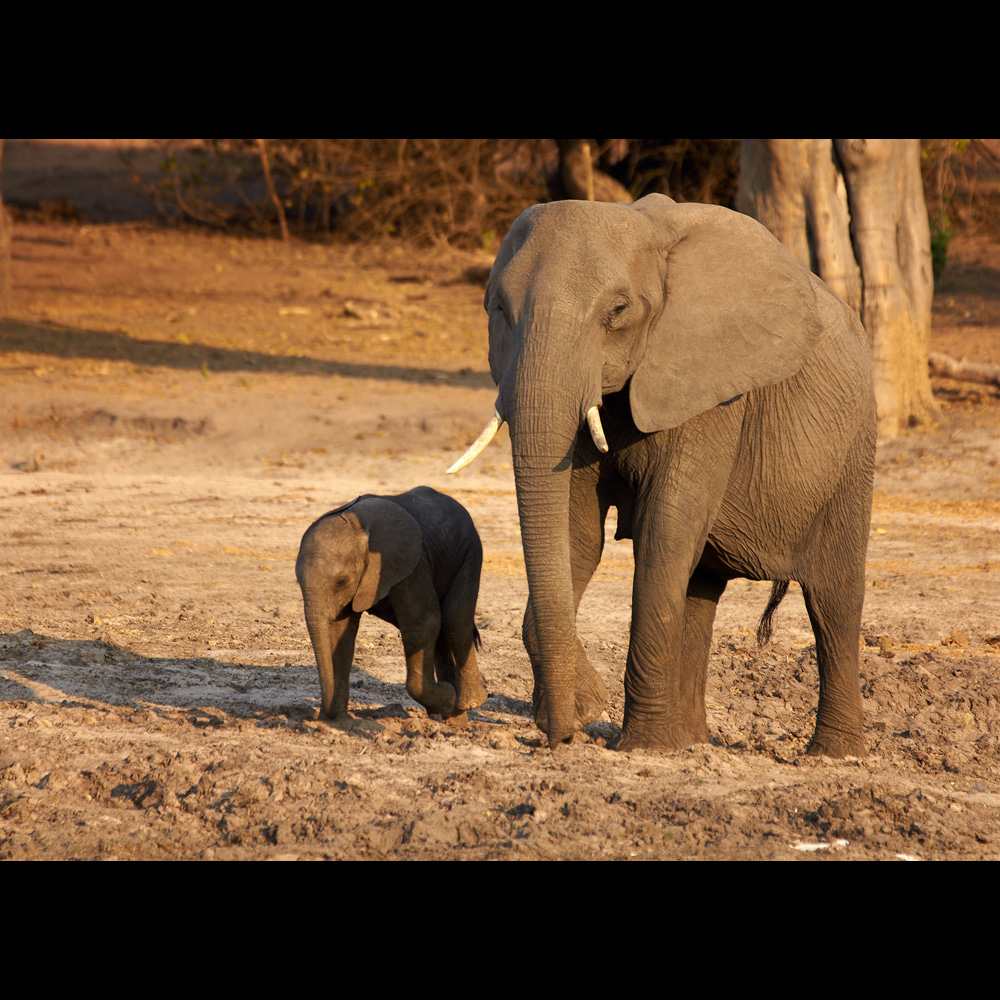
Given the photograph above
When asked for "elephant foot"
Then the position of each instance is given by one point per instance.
(338, 719)
(471, 695)
(833, 743)
(438, 700)
(589, 706)
(459, 721)
(591, 698)
(661, 738)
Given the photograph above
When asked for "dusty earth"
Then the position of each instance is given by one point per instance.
(178, 407)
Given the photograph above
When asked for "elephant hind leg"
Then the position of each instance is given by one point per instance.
(455, 663)
(835, 614)
(444, 662)
(459, 640)
(834, 591)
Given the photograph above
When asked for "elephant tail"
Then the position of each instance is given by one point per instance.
(778, 590)
(476, 638)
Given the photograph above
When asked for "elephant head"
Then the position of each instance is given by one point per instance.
(348, 561)
(684, 307)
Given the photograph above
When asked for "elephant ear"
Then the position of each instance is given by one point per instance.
(395, 543)
(739, 313)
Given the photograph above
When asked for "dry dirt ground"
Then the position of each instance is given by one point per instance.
(178, 407)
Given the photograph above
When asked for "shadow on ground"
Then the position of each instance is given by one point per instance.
(71, 343)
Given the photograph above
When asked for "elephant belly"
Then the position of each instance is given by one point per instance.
(385, 611)
(725, 565)
(760, 543)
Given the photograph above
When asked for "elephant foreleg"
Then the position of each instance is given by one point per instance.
(673, 610)
(673, 596)
(666, 672)
(660, 711)
(703, 593)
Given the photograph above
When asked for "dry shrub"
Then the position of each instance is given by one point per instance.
(960, 187)
(466, 192)
(702, 170)
(462, 192)
(960, 179)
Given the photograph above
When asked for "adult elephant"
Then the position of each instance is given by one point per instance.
(729, 397)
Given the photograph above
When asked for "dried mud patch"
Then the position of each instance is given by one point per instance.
(102, 424)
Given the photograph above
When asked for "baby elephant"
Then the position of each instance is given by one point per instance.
(414, 561)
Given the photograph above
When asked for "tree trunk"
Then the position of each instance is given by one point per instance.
(961, 370)
(581, 178)
(852, 210)
(6, 291)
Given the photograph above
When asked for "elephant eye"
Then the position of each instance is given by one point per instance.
(500, 311)
(617, 314)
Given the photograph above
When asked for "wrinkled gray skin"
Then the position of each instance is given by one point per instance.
(736, 396)
(414, 561)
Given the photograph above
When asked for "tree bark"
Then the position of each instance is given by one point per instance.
(852, 210)
(581, 179)
(6, 287)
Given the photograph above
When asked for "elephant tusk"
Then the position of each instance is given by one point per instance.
(489, 432)
(596, 430)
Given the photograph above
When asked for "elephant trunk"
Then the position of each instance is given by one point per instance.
(545, 417)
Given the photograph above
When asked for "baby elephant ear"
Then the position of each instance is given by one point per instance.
(739, 313)
(395, 542)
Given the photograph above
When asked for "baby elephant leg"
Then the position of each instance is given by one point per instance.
(459, 635)
(437, 698)
(419, 618)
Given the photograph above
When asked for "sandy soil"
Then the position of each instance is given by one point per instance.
(178, 407)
